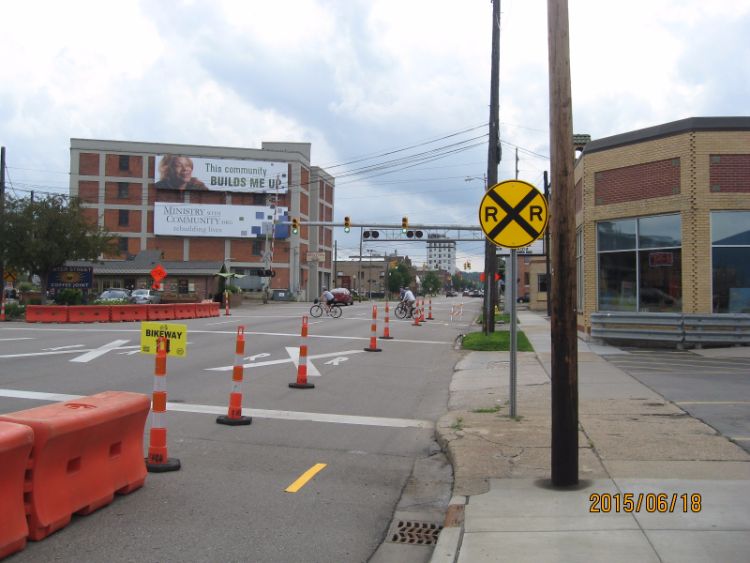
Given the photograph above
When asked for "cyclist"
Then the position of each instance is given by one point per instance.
(409, 300)
(327, 298)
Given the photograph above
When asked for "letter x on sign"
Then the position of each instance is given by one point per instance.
(513, 214)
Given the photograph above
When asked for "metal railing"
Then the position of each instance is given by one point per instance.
(683, 330)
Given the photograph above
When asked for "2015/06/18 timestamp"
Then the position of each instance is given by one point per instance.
(650, 502)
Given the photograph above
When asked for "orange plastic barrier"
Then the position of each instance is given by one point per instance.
(213, 310)
(201, 310)
(88, 313)
(119, 313)
(84, 452)
(161, 312)
(184, 311)
(15, 445)
(46, 314)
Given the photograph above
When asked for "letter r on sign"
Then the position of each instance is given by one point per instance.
(535, 210)
(490, 212)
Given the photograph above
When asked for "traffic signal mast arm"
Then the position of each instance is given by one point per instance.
(385, 225)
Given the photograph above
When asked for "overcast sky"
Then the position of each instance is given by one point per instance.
(358, 80)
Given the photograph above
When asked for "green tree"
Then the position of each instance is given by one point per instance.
(431, 283)
(38, 236)
(406, 276)
(395, 281)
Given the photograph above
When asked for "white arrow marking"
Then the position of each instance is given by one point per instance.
(256, 356)
(131, 352)
(63, 347)
(294, 354)
(286, 360)
(336, 361)
(9, 339)
(93, 354)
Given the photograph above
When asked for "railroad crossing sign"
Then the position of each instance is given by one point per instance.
(513, 214)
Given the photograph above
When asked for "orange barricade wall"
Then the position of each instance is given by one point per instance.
(128, 312)
(213, 310)
(184, 311)
(84, 452)
(88, 313)
(161, 312)
(15, 445)
(46, 314)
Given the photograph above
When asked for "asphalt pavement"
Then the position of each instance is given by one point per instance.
(655, 484)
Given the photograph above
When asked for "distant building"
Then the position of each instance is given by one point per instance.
(198, 204)
(441, 253)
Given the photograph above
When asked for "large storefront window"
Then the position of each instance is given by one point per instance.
(730, 256)
(640, 264)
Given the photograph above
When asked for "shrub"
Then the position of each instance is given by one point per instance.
(14, 311)
(69, 296)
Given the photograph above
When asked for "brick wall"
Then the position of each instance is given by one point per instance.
(112, 192)
(134, 168)
(206, 249)
(88, 191)
(171, 247)
(88, 164)
(730, 173)
(642, 181)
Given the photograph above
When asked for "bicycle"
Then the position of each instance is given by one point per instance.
(403, 311)
(317, 310)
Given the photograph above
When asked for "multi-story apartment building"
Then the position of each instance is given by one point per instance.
(200, 204)
(441, 253)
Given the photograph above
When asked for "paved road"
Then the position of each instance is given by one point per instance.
(369, 418)
(713, 389)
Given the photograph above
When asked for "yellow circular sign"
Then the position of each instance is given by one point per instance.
(513, 214)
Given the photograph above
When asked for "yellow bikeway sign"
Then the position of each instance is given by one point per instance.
(513, 214)
(176, 335)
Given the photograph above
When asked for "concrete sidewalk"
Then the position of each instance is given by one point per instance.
(631, 442)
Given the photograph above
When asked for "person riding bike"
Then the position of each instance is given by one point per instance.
(409, 300)
(327, 298)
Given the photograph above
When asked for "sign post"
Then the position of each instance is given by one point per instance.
(513, 214)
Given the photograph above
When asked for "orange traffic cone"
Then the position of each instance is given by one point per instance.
(158, 461)
(373, 347)
(234, 415)
(386, 328)
(301, 382)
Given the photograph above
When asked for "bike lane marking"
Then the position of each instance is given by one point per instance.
(293, 358)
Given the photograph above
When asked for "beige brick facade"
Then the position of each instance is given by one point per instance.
(628, 176)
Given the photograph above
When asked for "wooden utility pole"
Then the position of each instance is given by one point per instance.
(2, 218)
(564, 358)
(493, 160)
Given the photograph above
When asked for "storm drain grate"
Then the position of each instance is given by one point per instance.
(415, 533)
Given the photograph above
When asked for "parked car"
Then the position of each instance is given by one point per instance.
(115, 294)
(343, 296)
(145, 296)
(450, 293)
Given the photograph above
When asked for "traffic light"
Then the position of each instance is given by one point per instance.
(414, 234)
(404, 224)
(295, 225)
(347, 224)
(370, 234)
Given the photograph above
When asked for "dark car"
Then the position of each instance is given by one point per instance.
(343, 296)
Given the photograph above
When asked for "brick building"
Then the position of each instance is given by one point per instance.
(231, 207)
(663, 219)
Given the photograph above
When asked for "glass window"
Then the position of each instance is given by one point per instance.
(730, 228)
(617, 281)
(122, 190)
(730, 257)
(123, 218)
(659, 231)
(579, 270)
(541, 283)
(660, 275)
(648, 277)
(616, 235)
(124, 162)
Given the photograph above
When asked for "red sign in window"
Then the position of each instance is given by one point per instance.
(658, 259)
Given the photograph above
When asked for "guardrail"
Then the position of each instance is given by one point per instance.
(683, 330)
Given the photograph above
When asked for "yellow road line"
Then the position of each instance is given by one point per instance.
(305, 477)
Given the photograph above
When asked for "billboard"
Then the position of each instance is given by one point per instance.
(70, 277)
(226, 221)
(191, 173)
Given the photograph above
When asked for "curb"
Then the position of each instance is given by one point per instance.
(450, 538)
